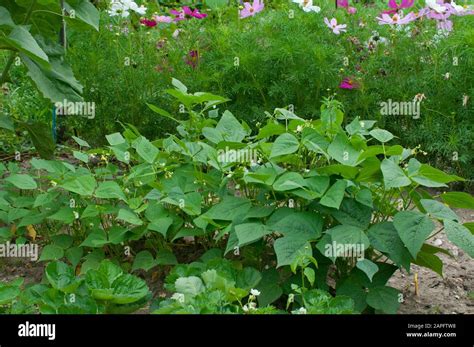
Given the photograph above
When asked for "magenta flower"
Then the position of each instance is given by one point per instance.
(192, 59)
(336, 28)
(163, 19)
(395, 7)
(148, 22)
(396, 19)
(348, 83)
(251, 10)
(186, 13)
(345, 4)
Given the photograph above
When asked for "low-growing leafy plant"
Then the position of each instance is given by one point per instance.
(105, 290)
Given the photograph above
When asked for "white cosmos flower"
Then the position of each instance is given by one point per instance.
(254, 292)
(307, 5)
(435, 6)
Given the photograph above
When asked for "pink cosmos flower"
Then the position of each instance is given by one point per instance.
(336, 28)
(186, 13)
(345, 4)
(148, 22)
(349, 83)
(396, 19)
(251, 10)
(163, 19)
(445, 25)
(395, 7)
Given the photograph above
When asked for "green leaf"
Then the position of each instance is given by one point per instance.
(74, 255)
(41, 136)
(21, 39)
(83, 10)
(96, 238)
(393, 175)
(145, 149)
(349, 236)
(353, 213)
(430, 261)
(115, 139)
(230, 128)
(161, 225)
(179, 85)
(5, 18)
(289, 181)
(82, 185)
(438, 210)
(458, 200)
(190, 286)
(289, 248)
(368, 267)
(8, 293)
(164, 257)
(381, 135)
(129, 217)
(22, 181)
(310, 275)
(143, 260)
(61, 277)
(229, 208)
(81, 156)
(384, 299)
(384, 238)
(284, 144)
(109, 190)
(306, 225)
(334, 195)
(248, 278)
(271, 129)
(250, 232)
(80, 142)
(342, 151)
(51, 252)
(128, 289)
(6, 123)
(413, 229)
(460, 236)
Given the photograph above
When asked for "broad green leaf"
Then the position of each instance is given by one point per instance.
(250, 232)
(460, 236)
(289, 181)
(384, 299)
(84, 11)
(430, 261)
(96, 238)
(40, 135)
(21, 39)
(342, 151)
(230, 128)
(310, 275)
(381, 135)
(109, 190)
(81, 156)
(115, 139)
(458, 200)
(82, 185)
(61, 277)
(80, 142)
(393, 175)
(334, 195)
(368, 267)
(146, 149)
(284, 144)
(190, 286)
(413, 229)
(22, 181)
(51, 252)
(129, 217)
(384, 238)
(353, 213)
(143, 260)
(351, 238)
(438, 210)
(306, 225)
(5, 18)
(288, 249)
(8, 293)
